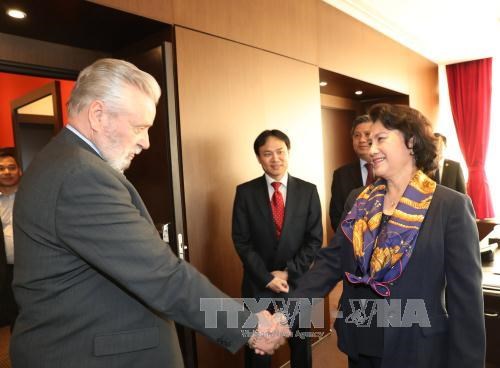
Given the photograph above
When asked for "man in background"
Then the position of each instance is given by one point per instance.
(277, 231)
(10, 174)
(449, 172)
(353, 175)
(96, 286)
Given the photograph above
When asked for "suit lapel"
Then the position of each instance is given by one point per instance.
(445, 177)
(356, 174)
(292, 196)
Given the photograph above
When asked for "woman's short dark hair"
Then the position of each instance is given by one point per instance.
(412, 124)
(262, 138)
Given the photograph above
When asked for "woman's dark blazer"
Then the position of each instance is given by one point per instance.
(444, 271)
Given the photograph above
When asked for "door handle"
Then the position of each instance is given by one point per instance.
(164, 233)
(181, 247)
(491, 315)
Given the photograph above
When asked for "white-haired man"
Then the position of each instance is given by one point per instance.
(96, 285)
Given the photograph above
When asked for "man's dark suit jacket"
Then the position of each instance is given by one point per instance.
(254, 233)
(96, 285)
(453, 176)
(444, 271)
(345, 179)
(3, 262)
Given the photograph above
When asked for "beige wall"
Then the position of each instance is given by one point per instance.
(286, 27)
(161, 10)
(226, 98)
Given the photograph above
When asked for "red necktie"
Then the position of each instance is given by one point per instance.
(278, 207)
(369, 178)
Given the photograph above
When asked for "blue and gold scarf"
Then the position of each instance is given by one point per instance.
(382, 252)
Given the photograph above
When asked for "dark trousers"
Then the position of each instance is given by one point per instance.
(300, 355)
(8, 306)
(365, 361)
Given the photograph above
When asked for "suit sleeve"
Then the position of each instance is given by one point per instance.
(464, 298)
(241, 233)
(324, 274)
(336, 202)
(327, 270)
(313, 239)
(97, 220)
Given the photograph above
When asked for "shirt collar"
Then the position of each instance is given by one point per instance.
(283, 180)
(83, 138)
(2, 194)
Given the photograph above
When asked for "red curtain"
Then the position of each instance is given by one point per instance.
(469, 85)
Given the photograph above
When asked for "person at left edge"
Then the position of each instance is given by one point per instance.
(10, 175)
(276, 250)
(96, 286)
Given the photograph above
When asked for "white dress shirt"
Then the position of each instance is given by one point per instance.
(6, 206)
(270, 189)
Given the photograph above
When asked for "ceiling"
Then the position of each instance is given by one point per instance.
(344, 86)
(77, 23)
(444, 31)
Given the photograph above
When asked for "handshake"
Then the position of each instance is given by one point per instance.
(270, 333)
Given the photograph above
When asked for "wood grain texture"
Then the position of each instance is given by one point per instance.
(287, 27)
(155, 9)
(349, 47)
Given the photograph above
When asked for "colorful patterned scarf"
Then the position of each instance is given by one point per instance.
(382, 252)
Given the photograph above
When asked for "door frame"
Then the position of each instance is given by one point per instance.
(50, 89)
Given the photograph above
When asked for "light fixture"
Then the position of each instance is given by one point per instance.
(358, 92)
(16, 13)
(323, 83)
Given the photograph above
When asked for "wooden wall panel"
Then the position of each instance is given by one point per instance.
(30, 51)
(423, 85)
(155, 9)
(287, 27)
(228, 94)
(349, 47)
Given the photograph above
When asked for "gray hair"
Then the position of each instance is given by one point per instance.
(105, 79)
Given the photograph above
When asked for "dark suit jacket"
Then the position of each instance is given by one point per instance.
(453, 176)
(254, 233)
(96, 285)
(444, 271)
(3, 262)
(345, 179)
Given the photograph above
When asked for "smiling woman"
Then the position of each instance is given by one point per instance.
(405, 242)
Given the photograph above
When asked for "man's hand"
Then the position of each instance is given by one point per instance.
(278, 285)
(270, 333)
(280, 274)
